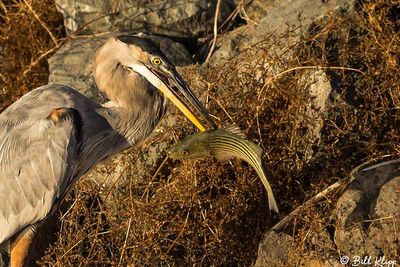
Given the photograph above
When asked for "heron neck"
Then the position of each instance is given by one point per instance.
(135, 124)
(136, 106)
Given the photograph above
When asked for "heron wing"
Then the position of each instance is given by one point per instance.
(37, 157)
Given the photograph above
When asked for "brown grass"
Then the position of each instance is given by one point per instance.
(29, 29)
(208, 213)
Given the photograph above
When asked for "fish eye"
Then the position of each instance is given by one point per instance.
(156, 61)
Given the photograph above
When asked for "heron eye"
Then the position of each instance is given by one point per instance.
(156, 61)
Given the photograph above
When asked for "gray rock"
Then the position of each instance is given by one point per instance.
(72, 64)
(296, 15)
(278, 249)
(273, 249)
(368, 212)
(177, 18)
(319, 88)
(367, 224)
(253, 11)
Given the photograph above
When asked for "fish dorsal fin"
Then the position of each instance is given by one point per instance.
(234, 129)
(256, 149)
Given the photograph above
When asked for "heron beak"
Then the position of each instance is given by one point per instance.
(185, 90)
(174, 97)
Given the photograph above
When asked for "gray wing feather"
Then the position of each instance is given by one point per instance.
(40, 160)
(36, 164)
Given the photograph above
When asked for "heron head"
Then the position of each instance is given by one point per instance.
(141, 56)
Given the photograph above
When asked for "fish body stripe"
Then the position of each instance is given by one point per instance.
(235, 144)
(223, 144)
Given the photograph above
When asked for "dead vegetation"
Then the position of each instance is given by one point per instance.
(29, 32)
(207, 213)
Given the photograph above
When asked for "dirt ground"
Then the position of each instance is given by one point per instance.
(208, 213)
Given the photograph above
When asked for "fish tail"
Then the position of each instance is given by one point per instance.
(272, 202)
(271, 199)
(224, 146)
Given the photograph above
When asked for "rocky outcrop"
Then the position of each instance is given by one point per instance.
(368, 212)
(318, 88)
(178, 18)
(274, 249)
(253, 11)
(367, 224)
(296, 16)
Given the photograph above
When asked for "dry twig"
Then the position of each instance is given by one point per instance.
(126, 239)
(308, 203)
(215, 30)
(37, 17)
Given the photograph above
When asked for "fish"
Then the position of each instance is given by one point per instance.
(224, 143)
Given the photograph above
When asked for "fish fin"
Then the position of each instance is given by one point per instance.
(256, 149)
(270, 194)
(234, 129)
(271, 199)
(272, 202)
(221, 156)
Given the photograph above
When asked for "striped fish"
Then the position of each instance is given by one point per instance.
(222, 144)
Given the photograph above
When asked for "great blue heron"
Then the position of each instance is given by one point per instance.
(53, 135)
